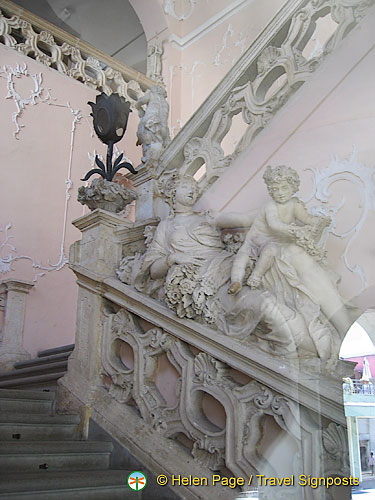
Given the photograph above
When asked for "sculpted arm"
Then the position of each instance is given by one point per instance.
(230, 220)
(145, 99)
(319, 222)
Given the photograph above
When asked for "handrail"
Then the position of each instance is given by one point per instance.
(54, 47)
(359, 387)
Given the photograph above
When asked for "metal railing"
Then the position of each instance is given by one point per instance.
(359, 387)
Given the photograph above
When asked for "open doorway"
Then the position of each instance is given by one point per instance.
(359, 400)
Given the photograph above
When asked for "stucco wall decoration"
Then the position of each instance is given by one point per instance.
(361, 177)
(170, 9)
(37, 94)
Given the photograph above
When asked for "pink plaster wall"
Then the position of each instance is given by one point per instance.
(330, 116)
(33, 191)
(213, 37)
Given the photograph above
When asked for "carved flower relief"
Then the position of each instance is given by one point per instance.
(233, 241)
(187, 294)
(121, 394)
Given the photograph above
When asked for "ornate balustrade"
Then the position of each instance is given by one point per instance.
(50, 45)
(124, 341)
(278, 63)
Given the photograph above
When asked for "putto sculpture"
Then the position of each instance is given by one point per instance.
(110, 115)
(153, 132)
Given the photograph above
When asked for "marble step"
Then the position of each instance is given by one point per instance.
(44, 360)
(26, 395)
(56, 350)
(31, 456)
(23, 401)
(47, 380)
(38, 427)
(74, 485)
(58, 366)
(29, 406)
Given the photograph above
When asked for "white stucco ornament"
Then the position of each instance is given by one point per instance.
(37, 92)
(170, 9)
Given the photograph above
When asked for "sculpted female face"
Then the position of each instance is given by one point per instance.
(186, 193)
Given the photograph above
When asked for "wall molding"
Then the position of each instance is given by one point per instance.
(209, 25)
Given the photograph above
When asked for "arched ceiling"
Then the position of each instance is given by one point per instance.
(111, 26)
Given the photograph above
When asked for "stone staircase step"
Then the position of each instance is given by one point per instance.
(53, 455)
(37, 427)
(58, 366)
(56, 350)
(42, 381)
(50, 485)
(38, 373)
(42, 360)
(25, 395)
(30, 406)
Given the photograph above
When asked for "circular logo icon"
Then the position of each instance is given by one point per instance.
(137, 480)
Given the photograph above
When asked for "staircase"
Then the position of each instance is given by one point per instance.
(42, 456)
(41, 372)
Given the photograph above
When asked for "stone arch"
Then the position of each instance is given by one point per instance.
(152, 18)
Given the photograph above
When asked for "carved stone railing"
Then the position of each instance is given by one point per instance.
(278, 62)
(50, 45)
(124, 338)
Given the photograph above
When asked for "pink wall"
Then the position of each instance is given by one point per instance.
(359, 367)
(200, 48)
(33, 190)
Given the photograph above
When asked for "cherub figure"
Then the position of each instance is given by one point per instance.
(284, 219)
(153, 132)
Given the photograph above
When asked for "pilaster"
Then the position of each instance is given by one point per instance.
(14, 294)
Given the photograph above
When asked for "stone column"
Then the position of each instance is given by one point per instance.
(354, 452)
(11, 349)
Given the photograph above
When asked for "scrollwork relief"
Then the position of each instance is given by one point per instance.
(42, 96)
(362, 178)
